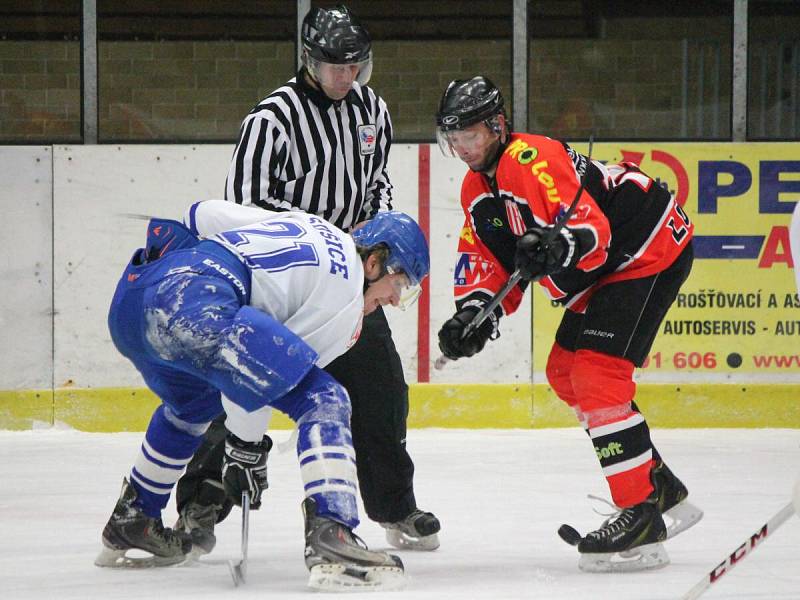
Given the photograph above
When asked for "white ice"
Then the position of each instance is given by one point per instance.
(500, 495)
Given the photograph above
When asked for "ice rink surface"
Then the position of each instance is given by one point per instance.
(500, 495)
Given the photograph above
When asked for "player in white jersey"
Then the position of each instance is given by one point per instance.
(236, 311)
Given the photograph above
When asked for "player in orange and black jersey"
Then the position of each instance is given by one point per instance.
(617, 266)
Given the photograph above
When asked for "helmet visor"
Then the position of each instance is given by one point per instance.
(446, 147)
(468, 143)
(337, 76)
(406, 291)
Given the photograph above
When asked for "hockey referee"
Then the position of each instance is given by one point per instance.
(320, 144)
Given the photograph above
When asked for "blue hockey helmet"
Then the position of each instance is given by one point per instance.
(408, 248)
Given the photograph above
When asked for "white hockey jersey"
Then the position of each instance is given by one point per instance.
(305, 272)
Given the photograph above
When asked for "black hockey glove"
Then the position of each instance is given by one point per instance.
(535, 260)
(451, 341)
(244, 469)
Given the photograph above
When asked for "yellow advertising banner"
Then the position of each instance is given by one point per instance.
(737, 318)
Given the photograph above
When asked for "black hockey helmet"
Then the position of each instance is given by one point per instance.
(469, 101)
(335, 36)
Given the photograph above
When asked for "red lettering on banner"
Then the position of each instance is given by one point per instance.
(682, 192)
(776, 248)
(674, 165)
(634, 157)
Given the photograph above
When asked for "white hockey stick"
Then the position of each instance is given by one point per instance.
(735, 557)
(239, 570)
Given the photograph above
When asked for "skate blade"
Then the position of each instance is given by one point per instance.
(195, 554)
(403, 541)
(643, 558)
(682, 516)
(349, 578)
(118, 559)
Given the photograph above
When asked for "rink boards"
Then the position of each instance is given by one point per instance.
(68, 231)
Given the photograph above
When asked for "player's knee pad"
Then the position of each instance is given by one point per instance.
(558, 371)
(321, 408)
(318, 397)
(260, 360)
(601, 382)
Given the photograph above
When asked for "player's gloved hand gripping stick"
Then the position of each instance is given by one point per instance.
(549, 237)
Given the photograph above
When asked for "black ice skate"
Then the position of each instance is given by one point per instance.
(338, 562)
(629, 541)
(416, 532)
(679, 513)
(129, 528)
(199, 517)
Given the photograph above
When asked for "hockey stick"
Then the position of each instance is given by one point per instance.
(515, 278)
(735, 557)
(239, 570)
(482, 315)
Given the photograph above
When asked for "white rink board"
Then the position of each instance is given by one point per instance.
(26, 360)
(71, 234)
(509, 358)
(94, 188)
(403, 173)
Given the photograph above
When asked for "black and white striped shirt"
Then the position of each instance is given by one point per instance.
(299, 150)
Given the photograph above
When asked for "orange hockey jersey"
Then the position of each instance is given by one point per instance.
(631, 225)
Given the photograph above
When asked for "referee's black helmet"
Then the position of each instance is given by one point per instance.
(335, 36)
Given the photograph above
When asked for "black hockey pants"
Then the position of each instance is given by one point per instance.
(372, 373)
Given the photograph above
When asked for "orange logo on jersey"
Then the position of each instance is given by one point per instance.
(526, 154)
(515, 147)
(133, 276)
(466, 235)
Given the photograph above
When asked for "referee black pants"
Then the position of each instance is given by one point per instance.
(372, 374)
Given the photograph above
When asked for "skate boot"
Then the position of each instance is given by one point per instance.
(199, 516)
(129, 528)
(339, 561)
(678, 512)
(416, 532)
(629, 541)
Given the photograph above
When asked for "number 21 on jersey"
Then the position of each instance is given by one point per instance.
(285, 252)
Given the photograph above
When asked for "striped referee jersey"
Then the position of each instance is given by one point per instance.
(300, 150)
